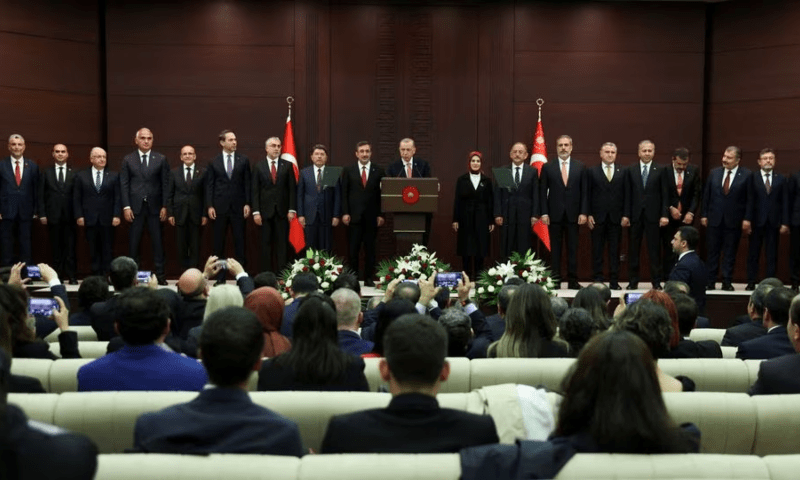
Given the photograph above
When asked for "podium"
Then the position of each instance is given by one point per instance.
(410, 199)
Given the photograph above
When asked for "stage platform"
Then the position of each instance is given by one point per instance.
(721, 306)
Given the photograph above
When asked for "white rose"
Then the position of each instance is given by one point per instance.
(423, 277)
(325, 285)
(316, 266)
(289, 282)
(319, 279)
(491, 289)
(499, 282)
(492, 271)
(402, 277)
(481, 290)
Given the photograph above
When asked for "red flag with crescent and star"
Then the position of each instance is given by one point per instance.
(539, 158)
(297, 236)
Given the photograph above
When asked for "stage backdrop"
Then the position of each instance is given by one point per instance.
(455, 77)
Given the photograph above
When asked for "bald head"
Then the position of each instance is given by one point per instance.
(192, 284)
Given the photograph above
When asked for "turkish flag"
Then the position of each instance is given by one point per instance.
(539, 158)
(297, 236)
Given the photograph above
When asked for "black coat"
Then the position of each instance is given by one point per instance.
(472, 209)
(55, 199)
(186, 202)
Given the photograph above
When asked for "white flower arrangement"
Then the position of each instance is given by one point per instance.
(419, 264)
(325, 266)
(526, 267)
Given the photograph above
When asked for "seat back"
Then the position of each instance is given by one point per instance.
(37, 406)
(715, 334)
(87, 349)
(458, 381)
(38, 368)
(85, 334)
(547, 372)
(64, 374)
(211, 467)
(710, 374)
(602, 466)
(727, 421)
(395, 466)
(777, 425)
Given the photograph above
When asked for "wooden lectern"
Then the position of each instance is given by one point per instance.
(409, 199)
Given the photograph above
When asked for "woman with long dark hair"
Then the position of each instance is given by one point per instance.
(17, 334)
(472, 215)
(589, 299)
(530, 327)
(315, 361)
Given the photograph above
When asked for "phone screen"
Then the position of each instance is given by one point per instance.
(42, 306)
(33, 272)
(447, 279)
(143, 276)
(632, 297)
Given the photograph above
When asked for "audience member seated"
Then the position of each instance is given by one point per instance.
(651, 322)
(315, 361)
(144, 363)
(93, 289)
(497, 322)
(779, 375)
(745, 318)
(421, 294)
(677, 287)
(660, 298)
(689, 268)
(604, 290)
(219, 297)
(32, 450)
(267, 304)
(413, 422)
(44, 325)
(775, 342)
(389, 312)
(122, 275)
(301, 285)
(576, 327)
(590, 299)
(458, 326)
(530, 327)
(686, 348)
(349, 281)
(754, 328)
(559, 306)
(266, 279)
(222, 419)
(348, 320)
(612, 404)
(21, 339)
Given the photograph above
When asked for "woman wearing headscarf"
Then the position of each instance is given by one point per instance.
(472, 215)
(267, 304)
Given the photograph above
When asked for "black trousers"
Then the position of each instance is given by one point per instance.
(363, 233)
(318, 235)
(650, 230)
(62, 246)
(235, 220)
(560, 232)
(768, 238)
(274, 240)
(722, 241)
(101, 240)
(515, 237)
(606, 233)
(153, 224)
(188, 244)
(794, 256)
(23, 233)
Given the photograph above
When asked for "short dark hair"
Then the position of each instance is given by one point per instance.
(794, 311)
(224, 133)
(514, 281)
(442, 297)
(363, 143)
(93, 289)
(687, 312)
(766, 150)
(758, 296)
(266, 279)
(459, 331)
(650, 322)
(775, 282)
(576, 327)
(408, 290)
(778, 301)
(390, 312)
(142, 315)
(5, 376)
(675, 287)
(505, 296)
(559, 306)
(681, 152)
(122, 273)
(690, 235)
(605, 292)
(415, 347)
(736, 150)
(347, 280)
(322, 147)
(304, 282)
(230, 345)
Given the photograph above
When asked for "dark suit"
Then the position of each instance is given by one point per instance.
(55, 204)
(794, 221)
(185, 202)
(734, 336)
(563, 204)
(363, 204)
(144, 188)
(98, 210)
(605, 202)
(688, 201)
(350, 342)
(770, 345)
(318, 207)
(690, 349)
(725, 214)
(412, 423)
(766, 212)
(228, 196)
(273, 201)
(517, 206)
(472, 210)
(778, 376)
(419, 169)
(645, 205)
(218, 420)
(17, 206)
(691, 270)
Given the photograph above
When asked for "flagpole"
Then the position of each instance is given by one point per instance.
(290, 101)
(539, 102)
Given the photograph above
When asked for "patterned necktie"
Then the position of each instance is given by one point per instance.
(363, 176)
(188, 175)
(229, 170)
(644, 176)
(144, 160)
(726, 187)
(680, 189)
(273, 171)
(408, 169)
(768, 185)
(17, 173)
(564, 177)
(609, 173)
(61, 175)
(516, 177)
(319, 180)
(98, 182)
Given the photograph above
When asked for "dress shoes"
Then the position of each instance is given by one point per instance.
(162, 281)
(369, 283)
(574, 285)
(711, 286)
(656, 285)
(615, 286)
(73, 281)
(727, 287)
(633, 286)
(750, 287)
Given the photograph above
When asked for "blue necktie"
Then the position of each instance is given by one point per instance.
(98, 182)
(644, 176)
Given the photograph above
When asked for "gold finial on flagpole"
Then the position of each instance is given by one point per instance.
(540, 102)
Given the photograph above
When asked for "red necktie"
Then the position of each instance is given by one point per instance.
(408, 170)
(18, 173)
(680, 188)
(768, 185)
(726, 187)
(273, 172)
(364, 176)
